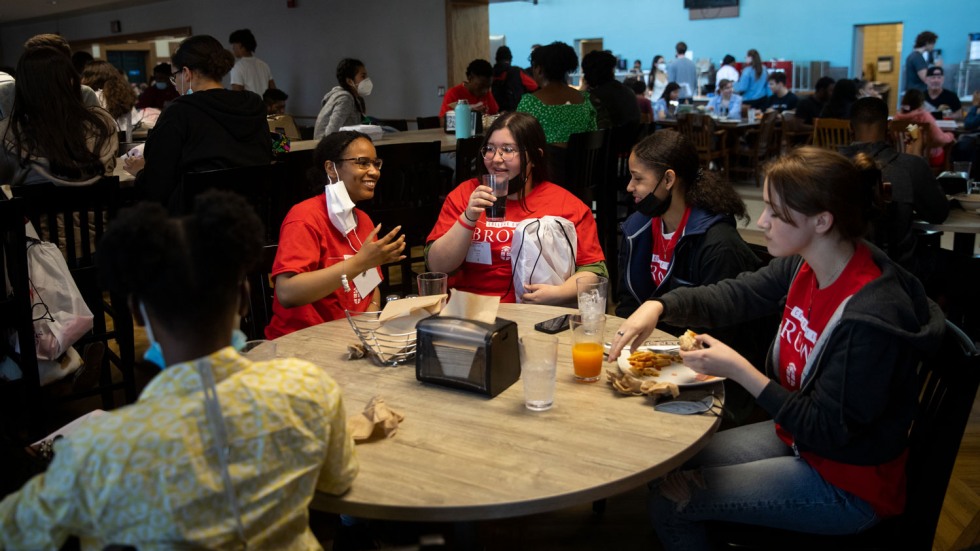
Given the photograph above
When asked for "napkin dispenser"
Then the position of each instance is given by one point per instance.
(466, 354)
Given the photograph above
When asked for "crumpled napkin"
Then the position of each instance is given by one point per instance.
(624, 383)
(376, 422)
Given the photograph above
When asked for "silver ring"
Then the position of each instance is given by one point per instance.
(620, 333)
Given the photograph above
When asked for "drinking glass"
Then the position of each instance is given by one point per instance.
(963, 168)
(498, 210)
(592, 296)
(587, 339)
(432, 283)
(539, 355)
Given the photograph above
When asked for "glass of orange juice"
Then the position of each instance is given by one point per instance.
(587, 338)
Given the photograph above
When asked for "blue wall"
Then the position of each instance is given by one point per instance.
(795, 30)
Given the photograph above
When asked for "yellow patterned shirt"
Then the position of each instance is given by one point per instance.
(147, 474)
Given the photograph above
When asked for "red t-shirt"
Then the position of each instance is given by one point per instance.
(808, 310)
(663, 247)
(491, 240)
(309, 242)
(459, 92)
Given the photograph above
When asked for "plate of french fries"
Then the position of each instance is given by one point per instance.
(662, 364)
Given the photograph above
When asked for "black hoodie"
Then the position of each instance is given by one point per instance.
(206, 130)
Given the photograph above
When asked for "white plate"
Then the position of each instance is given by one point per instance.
(972, 199)
(679, 374)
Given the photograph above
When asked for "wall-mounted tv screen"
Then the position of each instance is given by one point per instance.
(704, 4)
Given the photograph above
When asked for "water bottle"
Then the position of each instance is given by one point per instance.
(464, 121)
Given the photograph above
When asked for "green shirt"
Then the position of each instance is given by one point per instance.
(560, 121)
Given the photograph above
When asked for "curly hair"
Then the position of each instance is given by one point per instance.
(204, 54)
(117, 94)
(556, 60)
(661, 151)
(599, 67)
(185, 270)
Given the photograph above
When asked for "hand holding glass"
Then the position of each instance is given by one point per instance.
(497, 212)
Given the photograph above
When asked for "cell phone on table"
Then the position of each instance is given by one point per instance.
(554, 325)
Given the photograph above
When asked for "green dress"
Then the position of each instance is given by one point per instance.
(560, 121)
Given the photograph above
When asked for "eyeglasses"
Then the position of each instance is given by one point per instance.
(364, 163)
(507, 152)
(173, 77)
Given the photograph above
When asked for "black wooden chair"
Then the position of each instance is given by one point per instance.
(397, 124)
(948, 382)
(428, 122)
(75, 218)
(408, 194)
(611, 194)
(581, 167)
(469, 160)
(261, 295)
(266, 187)
(15, 316)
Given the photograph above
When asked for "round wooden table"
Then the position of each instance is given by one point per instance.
(459, 456)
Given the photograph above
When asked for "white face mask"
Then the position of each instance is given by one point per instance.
(364, 87)
(340, 208)
(661, 66)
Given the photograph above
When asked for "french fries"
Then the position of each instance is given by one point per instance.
(649, 364)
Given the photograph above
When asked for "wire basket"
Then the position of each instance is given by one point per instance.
(386, 348)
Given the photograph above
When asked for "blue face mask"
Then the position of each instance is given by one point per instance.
(154, 354)
(161, 85)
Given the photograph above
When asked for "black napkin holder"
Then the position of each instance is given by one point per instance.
(466, 354)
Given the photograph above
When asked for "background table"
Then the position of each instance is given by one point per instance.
(447, 142)
(460, 456)
(963, 224)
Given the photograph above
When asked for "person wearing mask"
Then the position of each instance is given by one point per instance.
(726, 103)
(207, 128)
(810, 107)
(840, 379)
(561, 109)
(161, 91)
(657, 80)
(475, 90)
(752, 86)
(329, 251)
(510, 83)
(915, 195)
(781, 99)
(199, 460)
(939, 100)
(614, 102)
(727, 70)
(37, 143)
(476, 254)
(918, 61)
(343, 105)
(682, 71)
(249, 73)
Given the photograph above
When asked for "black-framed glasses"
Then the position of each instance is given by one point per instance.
(173, 76)
(507, 152)
(364, 163)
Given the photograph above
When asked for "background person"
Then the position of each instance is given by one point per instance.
(160, 480)
(614, 102)
(913, 109)
(840, 380)
(477, 255)
(325, 242)
(561, 109)
(682, 71)
(919, 60)
(249, 73)
(207, 128)
(113, 90)
(161, 91)
(510, 83)
(727, 70)
(343, 105)
(275, 101)
(939, 100)
(810, 107)
(841, 99)
(665, 106)
(475, 90)
(752, 85)
(657, 80)
(643, 103)
(781, 99)
(726, 103)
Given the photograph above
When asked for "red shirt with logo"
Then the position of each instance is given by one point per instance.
(460, 91)
(808, 310)
(663, 247)
(487, 270)
(308, 242)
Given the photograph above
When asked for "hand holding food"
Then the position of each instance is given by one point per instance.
(689, 341)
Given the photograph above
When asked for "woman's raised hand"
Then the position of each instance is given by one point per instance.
(637, 328)
(385, 249)
(481, 198)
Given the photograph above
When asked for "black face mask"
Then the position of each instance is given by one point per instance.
(515, 185)
(653, 206)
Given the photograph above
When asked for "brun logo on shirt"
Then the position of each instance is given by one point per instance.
(495, 232)
(798, 333)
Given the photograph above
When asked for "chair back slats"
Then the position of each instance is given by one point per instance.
(261, 294)
(469, 162)
(831, 133)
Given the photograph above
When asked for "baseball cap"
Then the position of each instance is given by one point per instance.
(932, 71)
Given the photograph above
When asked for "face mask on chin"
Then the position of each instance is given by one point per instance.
(653, 206)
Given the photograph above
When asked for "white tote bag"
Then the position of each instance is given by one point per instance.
(60, 314)
(543, 251)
